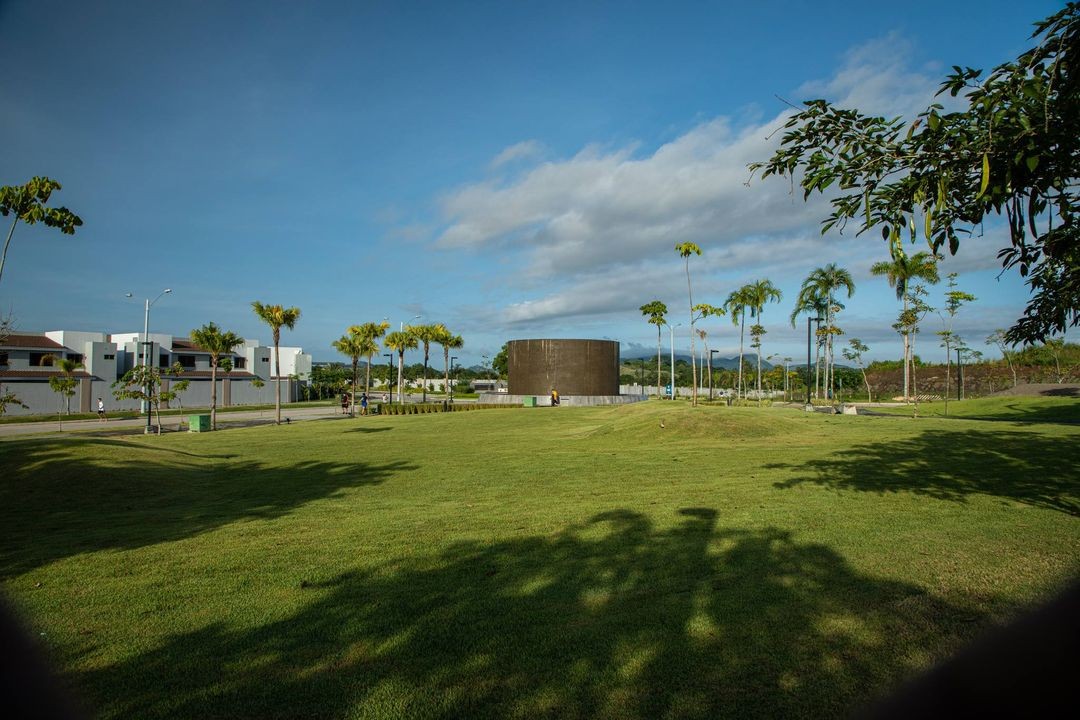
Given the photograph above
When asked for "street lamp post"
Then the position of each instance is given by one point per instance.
(711, 353)
(450, 390)
(959, 377)
(146, 348)
(389, 377)
(672, 329)
(809, 405)
(787, 396)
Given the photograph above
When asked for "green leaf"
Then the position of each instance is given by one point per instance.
(985, 176)
(1032, 163)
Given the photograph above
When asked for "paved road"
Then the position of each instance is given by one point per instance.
(168, 422)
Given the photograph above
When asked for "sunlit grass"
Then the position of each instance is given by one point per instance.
(735, 562)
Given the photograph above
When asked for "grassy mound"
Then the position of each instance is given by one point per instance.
(578, 562)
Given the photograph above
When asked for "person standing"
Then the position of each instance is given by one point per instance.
(554, 398)
(101, 411)
(363, 403)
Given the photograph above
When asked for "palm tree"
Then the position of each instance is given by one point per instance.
(824, 282)
(685, 250)
(759, 293)
(277, 317)
(351, 344)
(449, 341)
(369, 332)
(426, 334)
(899, 272)
(400, 342)
(656, 311)
(810, 303)
(217, 343)
(63, 384)
(735, 305)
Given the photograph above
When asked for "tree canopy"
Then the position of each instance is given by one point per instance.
(27, 203)
(1013, 149)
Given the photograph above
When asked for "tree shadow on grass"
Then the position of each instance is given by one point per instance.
(73, 495)
(1026, 467)
(366, 430)
(609, 618)
(1026, 412)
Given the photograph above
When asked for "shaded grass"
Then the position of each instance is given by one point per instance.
(567, 563)
(1039, 409)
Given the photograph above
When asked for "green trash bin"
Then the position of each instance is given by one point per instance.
(198, 423)
(530, 401)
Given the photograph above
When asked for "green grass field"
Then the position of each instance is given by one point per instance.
(532, 563)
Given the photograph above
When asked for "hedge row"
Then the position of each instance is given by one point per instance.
(424, 408)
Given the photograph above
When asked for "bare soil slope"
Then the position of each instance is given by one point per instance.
(1044, 390)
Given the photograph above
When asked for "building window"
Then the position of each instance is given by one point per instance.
(3, 358)
(186, 361)
(75, 357)
(108, 357)
(163, 360)
(239, 363)
(266, 359)
(41, 358)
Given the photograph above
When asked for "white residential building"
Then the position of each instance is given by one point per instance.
(26, 364)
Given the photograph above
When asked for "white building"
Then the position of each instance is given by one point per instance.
(27, 363)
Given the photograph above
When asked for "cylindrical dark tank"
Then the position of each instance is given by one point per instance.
(573, 367)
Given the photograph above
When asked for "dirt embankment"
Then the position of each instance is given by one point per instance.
(1044, 390)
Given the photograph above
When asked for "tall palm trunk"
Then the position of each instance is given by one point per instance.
(355, 376)
(424, 389)
(742, 326)
(400, 373)
(693, 350)
(817, 368)
(277, 380)
(213, 393)
(446, 374)
(830, 369)
(907, 355)
(914, 389)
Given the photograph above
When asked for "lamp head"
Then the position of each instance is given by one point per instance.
(167, 291)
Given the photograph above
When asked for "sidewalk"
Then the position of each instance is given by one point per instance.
(169, 423)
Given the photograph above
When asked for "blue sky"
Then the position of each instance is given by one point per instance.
(514, 170)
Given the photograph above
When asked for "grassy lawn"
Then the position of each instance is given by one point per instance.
(1012, 409)
(532, 563)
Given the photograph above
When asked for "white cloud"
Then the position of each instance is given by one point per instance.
(579, 235)
(876, 78)
(520, 151)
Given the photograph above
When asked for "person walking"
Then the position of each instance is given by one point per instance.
(363, 403)
(344, 403)
(101, 411)
(554, 398)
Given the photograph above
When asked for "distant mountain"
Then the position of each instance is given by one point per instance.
(718, 363)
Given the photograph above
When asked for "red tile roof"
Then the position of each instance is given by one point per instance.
(237, 374)
(30, 341)
(41, 374)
